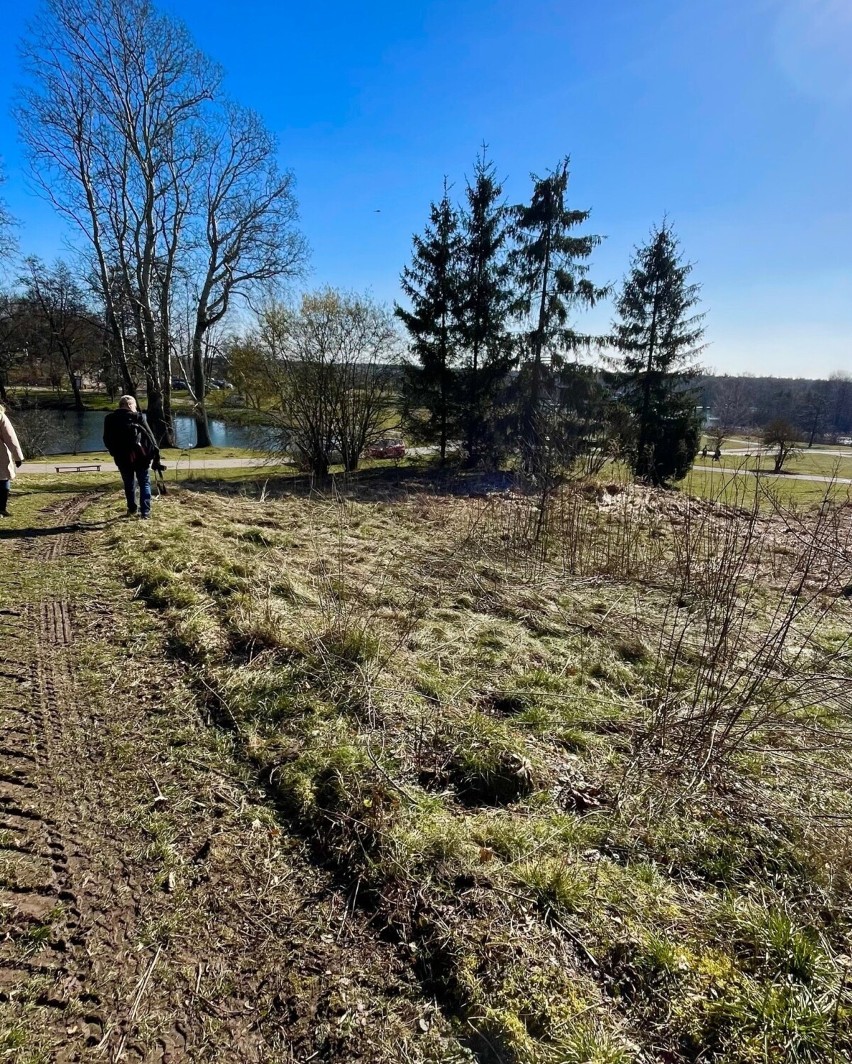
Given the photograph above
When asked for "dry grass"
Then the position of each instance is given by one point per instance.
(589, 764)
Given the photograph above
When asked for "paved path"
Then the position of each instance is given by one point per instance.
(182, 464)
(765, 473)
(761, 452)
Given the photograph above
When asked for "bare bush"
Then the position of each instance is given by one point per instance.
(34, 428)
(745, 667)
(749, 654)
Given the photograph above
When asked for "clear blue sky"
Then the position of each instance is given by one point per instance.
(734, 116)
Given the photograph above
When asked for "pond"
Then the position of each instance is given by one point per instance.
(73, 433)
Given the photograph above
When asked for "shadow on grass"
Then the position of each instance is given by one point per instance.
(32, 532)
(396, 482)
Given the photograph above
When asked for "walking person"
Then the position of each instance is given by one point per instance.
(11, 457)
(133, 448)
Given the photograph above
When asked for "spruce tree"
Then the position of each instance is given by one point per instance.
(431, 284)
(659, 336)
(485, 305)
(550, 266)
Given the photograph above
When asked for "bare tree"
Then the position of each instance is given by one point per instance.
(7, 226)
(780, 435)
(249, 368)
(9, 348)
(11, 342)
(730, 408)
(813, 411)
(333, 359)
(118, 130)
(60, 321)
(117, 88)
(250, 239)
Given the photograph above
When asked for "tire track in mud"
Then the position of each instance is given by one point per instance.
(45, 906)
(40, 953)
(270, 965)
(64, 929)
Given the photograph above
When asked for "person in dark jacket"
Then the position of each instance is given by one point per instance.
(133, 448)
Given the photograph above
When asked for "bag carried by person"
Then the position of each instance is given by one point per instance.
(142, 447)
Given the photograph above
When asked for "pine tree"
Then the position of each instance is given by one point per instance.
(550, 265)
(485, 304)
(431, 284)
(659, 336)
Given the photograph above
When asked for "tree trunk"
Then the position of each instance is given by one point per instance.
(642, 462)
(118, 355)
(538, 345)
(443, 382)
(75, 388)
(473, 411)
(72, 378)
(160, 424)
(199, 387)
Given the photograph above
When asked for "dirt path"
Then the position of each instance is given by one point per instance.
(153, 906)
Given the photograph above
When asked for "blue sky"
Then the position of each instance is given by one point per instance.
(735, 118)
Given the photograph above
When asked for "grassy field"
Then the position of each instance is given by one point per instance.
(587, 763)
(730, 486)
(811, 462)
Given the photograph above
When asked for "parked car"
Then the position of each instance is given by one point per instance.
(179, 384)
(389, 448)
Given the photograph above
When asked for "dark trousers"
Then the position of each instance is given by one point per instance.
(131, 476)
(4, 494)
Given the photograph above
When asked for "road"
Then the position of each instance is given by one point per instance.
(728, 471)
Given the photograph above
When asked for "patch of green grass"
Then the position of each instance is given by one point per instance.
(488, 764)
(767, 936)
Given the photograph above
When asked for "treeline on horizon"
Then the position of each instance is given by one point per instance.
(818, 408)
(184, 214)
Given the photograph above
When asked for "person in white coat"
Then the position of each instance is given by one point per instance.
(11, 456)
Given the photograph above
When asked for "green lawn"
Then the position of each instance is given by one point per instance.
(810, 462)
(740, 490)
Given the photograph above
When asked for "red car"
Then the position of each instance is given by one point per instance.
(387, 449)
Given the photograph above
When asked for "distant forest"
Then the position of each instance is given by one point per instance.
(819, 409)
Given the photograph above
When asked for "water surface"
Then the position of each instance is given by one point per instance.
(75, 433)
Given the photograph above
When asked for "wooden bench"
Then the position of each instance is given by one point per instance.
(93, 468)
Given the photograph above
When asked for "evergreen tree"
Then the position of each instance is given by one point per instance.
(659, 336)
(431, 284)
(550, 265)
(485, 305)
